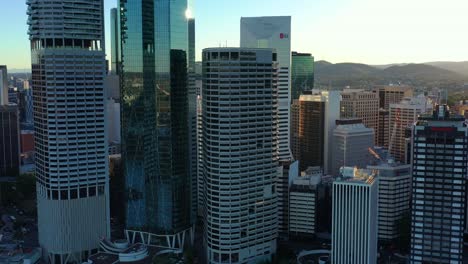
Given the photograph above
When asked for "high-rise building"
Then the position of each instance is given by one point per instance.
(402, 115)
(392, 94)
(289, 170)
(68, 69)
(240, 154)
(294, 136)
(274, 32)
(440, 162)
(116, 59)
(351, 143)
(9, 141)
(311, 131)
(303, 199)
(383, 133)
(361, 104)
(3, 85)
(394, 196)
(302, 74)
(192, 117)
(155, 133)
(354, 228)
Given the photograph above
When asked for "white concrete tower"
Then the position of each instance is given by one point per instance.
(68, 68)
(354, 227)
(240, 158)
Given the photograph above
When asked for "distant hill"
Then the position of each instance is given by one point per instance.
(460, 67)
(342, 74)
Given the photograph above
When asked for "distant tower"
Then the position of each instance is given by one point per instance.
(240, 154)
(3, 85)
(351, 141)
(302, 74)
(274, 32)
(361, 104)
(403, 115)
(68, 68)
(440, 162)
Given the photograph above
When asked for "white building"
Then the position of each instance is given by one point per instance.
(354, 227)
(68, 70)
(240, 154)
(394, 196)
(274, 32)
(303, 196)
(351, 143)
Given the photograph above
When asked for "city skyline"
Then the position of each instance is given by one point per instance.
(361, 31)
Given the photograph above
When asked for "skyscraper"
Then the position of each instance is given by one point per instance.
(240, 154)
(115, 41)
(394, 196)
(351, 141)
(3, 85)
(440, 162)
(354, 228)
(392, 94)
(311, 131)
(192, 117)
(302, 74)
(403, 115)
(68, 68)
(274, 32)
(9, 141)
(155, 130)
(361, 104)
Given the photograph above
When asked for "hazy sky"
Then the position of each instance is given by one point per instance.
(367, 31)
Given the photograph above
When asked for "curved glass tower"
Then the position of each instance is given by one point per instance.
(154, 103)
(68, 68)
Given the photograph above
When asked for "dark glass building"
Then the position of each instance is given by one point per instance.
(302, 74)
(9, 141)
(438, 213)
(311, 135)
(154, 101)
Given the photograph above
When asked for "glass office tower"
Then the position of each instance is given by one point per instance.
(302, 74)
(154, 101)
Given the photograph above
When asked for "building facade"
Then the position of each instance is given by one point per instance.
(354, 228)
(3, 85)
(392, 94)
(361, 104)
(9, 141)
(311, 131)
(155, 131)
(116, 48)
(303, 198)
(403, 115)
(68, 69)
(383, 133)
(302, 74)
(351, 143)
(394, 196)
(274, 32)
(440, 162)
(240, 154)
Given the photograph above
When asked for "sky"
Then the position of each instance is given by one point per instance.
(364, 31)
